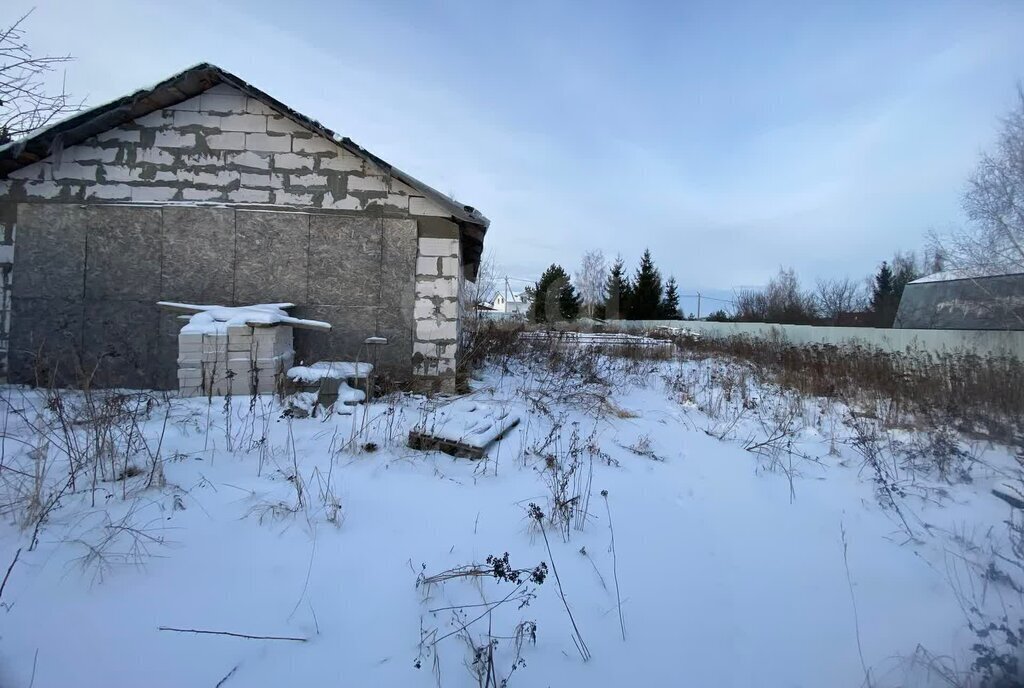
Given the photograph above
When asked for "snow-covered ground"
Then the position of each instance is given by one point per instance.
(729, 509)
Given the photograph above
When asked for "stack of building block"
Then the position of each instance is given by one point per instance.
(235, 359)
(238, 350)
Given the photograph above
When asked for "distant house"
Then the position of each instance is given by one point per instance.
(205, 189)
(511, 302)
(954, 301)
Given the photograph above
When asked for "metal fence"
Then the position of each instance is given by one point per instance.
(981, 342)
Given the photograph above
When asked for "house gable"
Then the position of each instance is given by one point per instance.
(222, 146)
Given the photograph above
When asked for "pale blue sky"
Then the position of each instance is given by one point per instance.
(730, 138)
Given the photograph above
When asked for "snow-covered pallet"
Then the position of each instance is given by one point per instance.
(463, 428)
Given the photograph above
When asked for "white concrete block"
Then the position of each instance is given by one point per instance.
(343, 203)
(293, 161)
(346, 162)
(165, 176)
(432, 350)
(429, 246)
(268, 142)
(174, 139)
(269, 180)
(121, 192)
(222, 104)
(152, 194)
(317, 144)
(74, 170)
(431, 330)
(285, 198)
(400, 187)
(431, 266)
(203, 160)
(250, 179)
(191, 194)
(218, 178)
(120, 173)
(43, 189)
(37, 170)
(190, 338)
(157, 118)
(307, 179)
(249, 196)
(154, 156)
(125, 135)
(90, 154)
(285, 125)
(245, 123)
(392, 201)
(255, 106)
(232, 140)
(447, 309)
(446, 288)
(250, 159)
(184, 118)
(373, 183)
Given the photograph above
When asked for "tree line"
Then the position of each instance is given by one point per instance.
(600, 291)
(872, 302)
(991, 243)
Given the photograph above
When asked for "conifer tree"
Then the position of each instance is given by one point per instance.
(645, 302)
(554, 297)
(618, 290)
(670, 304)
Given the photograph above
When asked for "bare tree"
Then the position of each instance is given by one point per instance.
(25, 102)
(472, 294)
(781, 301)
(590, 281)
(837, 296)
(994, 203)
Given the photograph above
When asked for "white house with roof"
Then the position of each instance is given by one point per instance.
(511, 302)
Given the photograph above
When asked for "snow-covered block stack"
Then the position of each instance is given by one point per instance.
(238, 350)
(333, 384)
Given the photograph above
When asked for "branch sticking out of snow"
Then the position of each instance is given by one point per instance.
(233, 635)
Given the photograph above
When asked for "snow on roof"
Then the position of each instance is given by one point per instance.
(950, 275)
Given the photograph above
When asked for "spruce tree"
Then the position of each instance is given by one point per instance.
(554, 297)
(645, 303)
(618, 290)
(670, 304)
(883, 297)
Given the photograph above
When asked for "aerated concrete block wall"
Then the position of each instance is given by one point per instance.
(221, 146)
(221, 199)
(437, 305)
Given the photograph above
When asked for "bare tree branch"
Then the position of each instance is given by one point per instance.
(994, 203)
(837, 296)
(26, 104)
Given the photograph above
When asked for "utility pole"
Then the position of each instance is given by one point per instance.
(698, 305)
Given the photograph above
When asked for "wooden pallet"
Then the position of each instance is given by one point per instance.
(466, 432)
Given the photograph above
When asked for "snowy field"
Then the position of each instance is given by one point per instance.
(760, 539)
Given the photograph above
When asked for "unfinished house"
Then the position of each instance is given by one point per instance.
(204, 189)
